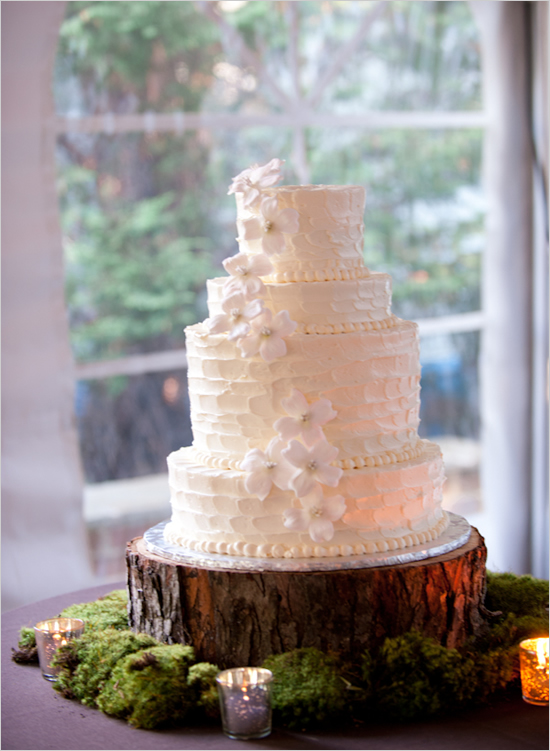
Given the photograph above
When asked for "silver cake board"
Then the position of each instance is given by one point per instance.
(455, 536)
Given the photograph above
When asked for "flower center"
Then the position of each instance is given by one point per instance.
(268, 225)
(315, 512)
(265, 331)
(270, 465)
(304, 417)
(312, 465)
(242, 270)
(235, 314)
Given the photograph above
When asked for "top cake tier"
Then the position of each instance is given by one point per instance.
(329, 240)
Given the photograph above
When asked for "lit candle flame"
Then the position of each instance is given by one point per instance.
(541, 646)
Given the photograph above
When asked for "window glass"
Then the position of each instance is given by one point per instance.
(145, 213)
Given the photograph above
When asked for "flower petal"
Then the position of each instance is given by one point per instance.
(260, 265)
(287, 428)
(218, 324)
(283, 324)
(259, 483)
(283, 475)
(269, 208)
(324, 452)
(252, 229)
(303, 483)
(238, 331)
(322, 412)
(254, 459)
(328, 475)
(296, 454)
(249, 345)
(334, 507)
(234, 263)
(295, 404)
(272, 347)
(312, 434)
(321, 530)
(295, 519)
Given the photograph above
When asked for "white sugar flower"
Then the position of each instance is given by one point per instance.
(316, 516)
(266, 335)
(236, 316)
(253, 180)
(245, 273)
(271, 225)
(313, 465)
(304, 419)
(267, 469)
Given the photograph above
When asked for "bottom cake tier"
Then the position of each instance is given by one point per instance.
(387, 508)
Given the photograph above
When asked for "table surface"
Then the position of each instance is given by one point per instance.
(34, 716)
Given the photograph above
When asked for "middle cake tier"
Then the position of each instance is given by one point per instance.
(371, 377)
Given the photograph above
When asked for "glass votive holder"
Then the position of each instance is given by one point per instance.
(533, 661)
(52, 634)
(245, 702)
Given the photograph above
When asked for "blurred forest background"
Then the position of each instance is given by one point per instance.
(145, 214)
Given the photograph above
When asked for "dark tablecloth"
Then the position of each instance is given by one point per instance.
(34, 716)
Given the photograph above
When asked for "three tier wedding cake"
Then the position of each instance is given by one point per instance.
(304, 391)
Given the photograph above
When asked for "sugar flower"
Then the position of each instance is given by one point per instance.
(313, 465)
(304, 419)
(316, 516)
(237, 313)
(253, 180)
(266, 335)
(245, 272)
(266, 469)
(271, 225)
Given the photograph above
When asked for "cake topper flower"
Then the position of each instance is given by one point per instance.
(245, 273)
(266, 469)
(316, 516)
(253, 180)
(313, 466)
(304, 419)
(237, 313)
(266, 335)
(271, 225)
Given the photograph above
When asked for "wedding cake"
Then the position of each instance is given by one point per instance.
(304, 392)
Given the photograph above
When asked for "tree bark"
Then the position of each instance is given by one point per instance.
(238, 618)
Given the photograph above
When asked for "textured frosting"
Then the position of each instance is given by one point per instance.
(386, 509)
(348, 348)
(371, 378)
(330, 234)
(320, 306)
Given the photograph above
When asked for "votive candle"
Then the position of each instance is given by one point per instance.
(52, 634)
(245, 702)
(533, 659)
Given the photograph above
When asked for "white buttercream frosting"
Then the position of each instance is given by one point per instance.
(387, 508)
(347, 352)
(330, 233)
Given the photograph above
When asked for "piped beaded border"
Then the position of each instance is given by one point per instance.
(318, 275)
(412, 451)
(348, 328)
(251, 550)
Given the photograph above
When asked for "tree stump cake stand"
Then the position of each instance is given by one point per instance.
(239, 617)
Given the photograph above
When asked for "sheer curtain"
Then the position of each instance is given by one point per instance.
(44, 548)
(515, 297)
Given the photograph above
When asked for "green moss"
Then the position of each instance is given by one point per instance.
(110, 611)
(202, 679)
(27, 651)
(522, 595)
(87, 663)
(308, 688)
(151, 688)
